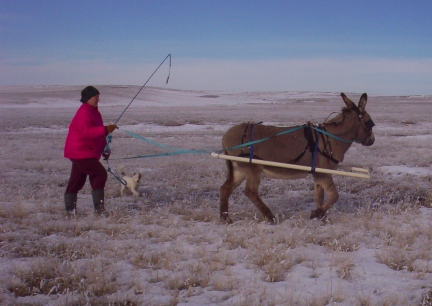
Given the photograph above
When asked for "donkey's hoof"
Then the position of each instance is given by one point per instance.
(272, 220)
(225, 219)
(317, 213)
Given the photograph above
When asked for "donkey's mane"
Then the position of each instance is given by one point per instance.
(339, 118)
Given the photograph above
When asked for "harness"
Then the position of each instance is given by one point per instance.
(312, 134)
(251, 154)
(327, 149)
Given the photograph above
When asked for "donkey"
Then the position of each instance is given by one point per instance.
(322, 146)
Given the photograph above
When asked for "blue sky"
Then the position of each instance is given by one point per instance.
(379, 47)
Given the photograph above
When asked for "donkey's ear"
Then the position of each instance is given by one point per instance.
(350, 104)
(362, 102)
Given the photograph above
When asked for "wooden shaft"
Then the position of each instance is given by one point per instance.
(289, 166)
(356, 169)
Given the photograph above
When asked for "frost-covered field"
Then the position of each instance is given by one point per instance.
(169, 248)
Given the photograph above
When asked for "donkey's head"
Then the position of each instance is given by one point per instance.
(365, 135)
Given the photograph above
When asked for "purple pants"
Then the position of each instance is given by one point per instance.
(83, 167)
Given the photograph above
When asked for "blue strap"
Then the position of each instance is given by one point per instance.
(251, 146)
(314, 155)
(331, 135)
(266, 138)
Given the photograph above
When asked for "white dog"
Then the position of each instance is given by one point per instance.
(131, 183)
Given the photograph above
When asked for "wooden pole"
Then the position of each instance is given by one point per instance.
(351, 168)
(295, 167)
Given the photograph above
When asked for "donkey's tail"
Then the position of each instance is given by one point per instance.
(230, 172)
(230, 169)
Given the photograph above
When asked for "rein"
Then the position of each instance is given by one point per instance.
(116, 175)
(177, 151)
(312, 145)
(107, 150)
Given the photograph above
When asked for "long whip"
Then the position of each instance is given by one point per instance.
(169, 72)
(107, 149)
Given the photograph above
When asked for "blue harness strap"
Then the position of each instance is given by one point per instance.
(251, 154)
(332, 136)
(314, 155)
(251, 151)
(246, 144)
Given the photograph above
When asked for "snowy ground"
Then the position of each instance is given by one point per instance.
(169, 248)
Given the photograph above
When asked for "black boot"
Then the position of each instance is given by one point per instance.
(99, 201)
(70, 200)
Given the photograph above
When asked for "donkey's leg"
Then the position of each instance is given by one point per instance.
(318, 195)
(323, 184)
(253, 179)
(234, 178)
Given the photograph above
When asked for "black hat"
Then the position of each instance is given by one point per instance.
(88, 93)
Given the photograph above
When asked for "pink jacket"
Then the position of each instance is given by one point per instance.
(86, 137)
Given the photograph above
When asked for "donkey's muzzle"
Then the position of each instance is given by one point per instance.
(369, 141)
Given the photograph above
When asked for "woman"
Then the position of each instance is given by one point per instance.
(84, 146)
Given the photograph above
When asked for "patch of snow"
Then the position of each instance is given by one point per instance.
(404, 170)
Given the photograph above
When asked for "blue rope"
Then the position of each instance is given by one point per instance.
(118, 178)
(150, 141)
(177, 151)
(107, 149)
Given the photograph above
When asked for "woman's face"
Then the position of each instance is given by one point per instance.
(94, 101)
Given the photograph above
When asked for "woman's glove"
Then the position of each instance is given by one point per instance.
(106, 156)
(110, 128)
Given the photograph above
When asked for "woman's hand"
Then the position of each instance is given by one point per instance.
(110, 128)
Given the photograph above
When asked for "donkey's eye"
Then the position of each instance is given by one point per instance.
(369, 124)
